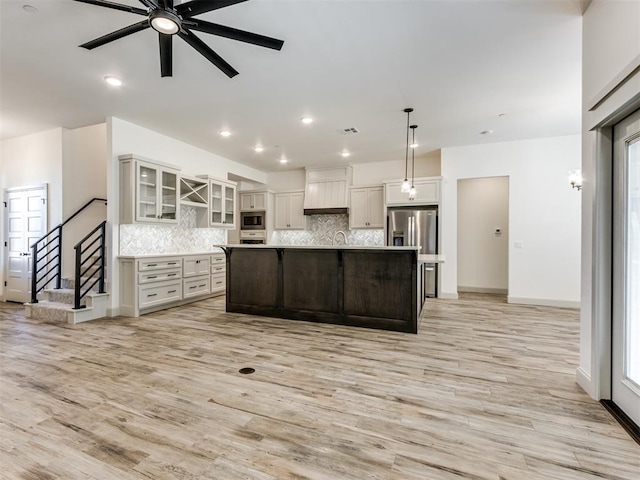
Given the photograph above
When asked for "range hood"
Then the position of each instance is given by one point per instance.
(327, 190)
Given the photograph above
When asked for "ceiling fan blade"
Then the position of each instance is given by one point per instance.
(235, 34)
(110, 37)
(166, 55)
(149, 3)
(196, 7)
(168, 4)
(206, 52)
(115, 6)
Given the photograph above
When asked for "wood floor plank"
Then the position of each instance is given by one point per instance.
(485, 390)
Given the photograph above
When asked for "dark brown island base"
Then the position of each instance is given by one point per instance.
(373, 287)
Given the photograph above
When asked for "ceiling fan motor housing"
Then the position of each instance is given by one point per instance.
(165, 21)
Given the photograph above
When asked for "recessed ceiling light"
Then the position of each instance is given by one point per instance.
(29, 9)
(345, 154)
(284, 160)
(225, 133)
(113, 81)
(307, 120)
(258, 149)
(486, 132)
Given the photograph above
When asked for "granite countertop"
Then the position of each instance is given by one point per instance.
(214, 251)
(430, 258)
(319, 247)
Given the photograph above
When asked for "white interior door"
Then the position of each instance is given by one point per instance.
(26, 222)
(625, 391)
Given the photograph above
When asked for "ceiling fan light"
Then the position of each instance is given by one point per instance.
(165, 22)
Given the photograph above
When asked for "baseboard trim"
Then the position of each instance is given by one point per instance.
(623, 419)
(583, 379)
(544, 302)
(497, 291)
(448, 296)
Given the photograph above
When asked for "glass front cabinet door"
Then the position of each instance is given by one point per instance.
(148, 191)
(222, 204)
(157, 195)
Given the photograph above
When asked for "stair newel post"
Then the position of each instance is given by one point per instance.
(59, 269)
(102, 256)
(34, 273)
(76, 286)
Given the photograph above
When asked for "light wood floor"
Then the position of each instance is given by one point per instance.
(486, 390)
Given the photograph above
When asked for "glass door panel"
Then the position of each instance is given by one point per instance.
(147, 192)
(625, 327)
(216, 203)
(169, 196)
(229, 207)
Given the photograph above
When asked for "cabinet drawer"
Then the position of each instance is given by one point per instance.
(218, 269)
(193, 266)
(218, 259)
(159, 264)
(218, 282)
(160, 275)
(196, 286)
(158, 293)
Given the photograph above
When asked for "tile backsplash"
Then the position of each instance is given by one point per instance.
(158, 239)
(320, 231)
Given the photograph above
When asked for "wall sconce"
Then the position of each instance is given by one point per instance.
(575, 179)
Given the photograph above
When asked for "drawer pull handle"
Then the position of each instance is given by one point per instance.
(172, 275)
(172, 263)
(203, 285)
(172, 291)
(152, 264)
(195, 286)
(218, 283)
(152, 276)
(197, 261)
(152, 295)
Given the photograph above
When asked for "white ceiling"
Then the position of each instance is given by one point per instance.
(346, 63)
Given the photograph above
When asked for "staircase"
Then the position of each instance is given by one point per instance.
(71, 300)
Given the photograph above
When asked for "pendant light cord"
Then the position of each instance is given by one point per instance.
(413, 155)
(406, 154)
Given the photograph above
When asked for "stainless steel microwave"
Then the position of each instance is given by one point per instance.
(252, 221)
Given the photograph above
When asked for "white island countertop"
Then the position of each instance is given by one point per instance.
(213, 251)
(430, 258)
(319, 247)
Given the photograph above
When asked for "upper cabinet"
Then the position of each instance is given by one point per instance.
(367, 207)
(327, 189)
(427, 192)
(148, 191)
(289, 211)
(222, 203)
(253, 201)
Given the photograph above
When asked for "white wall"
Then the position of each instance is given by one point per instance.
(84, 176)
(32, 160)
(127, 138)
(611, 53)
(288, 180)
(483, 254)
(544, 215)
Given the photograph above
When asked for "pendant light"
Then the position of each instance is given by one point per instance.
(405, 183)
(412, 189)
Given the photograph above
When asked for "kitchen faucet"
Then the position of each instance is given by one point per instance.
(344, 235)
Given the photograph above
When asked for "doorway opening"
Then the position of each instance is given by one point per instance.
(483, 235)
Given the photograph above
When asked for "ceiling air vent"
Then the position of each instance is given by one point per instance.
(348, 131)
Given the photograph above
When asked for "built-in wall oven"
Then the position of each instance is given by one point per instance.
(252, 221)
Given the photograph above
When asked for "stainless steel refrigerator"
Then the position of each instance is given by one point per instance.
(416, 226)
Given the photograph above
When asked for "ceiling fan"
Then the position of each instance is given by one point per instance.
(169, 20)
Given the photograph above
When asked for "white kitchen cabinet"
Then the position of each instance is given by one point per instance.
(427, 192)
(148, 191)
(366, 207)
(253, 201)
(222, 203)
(289, 211)
(153, 283)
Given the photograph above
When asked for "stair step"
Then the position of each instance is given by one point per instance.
(51, 311)
(64, 313)
(62, 295)
(71, 283)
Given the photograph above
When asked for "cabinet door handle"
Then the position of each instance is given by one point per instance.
(152, 295)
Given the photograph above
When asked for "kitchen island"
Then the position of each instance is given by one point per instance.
(373, 287)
